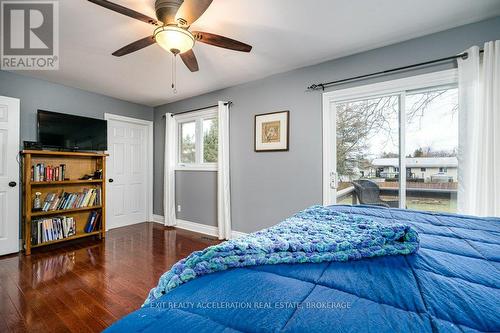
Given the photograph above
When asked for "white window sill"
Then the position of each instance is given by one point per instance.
(196, 168)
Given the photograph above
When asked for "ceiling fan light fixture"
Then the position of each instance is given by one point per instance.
(174, 39)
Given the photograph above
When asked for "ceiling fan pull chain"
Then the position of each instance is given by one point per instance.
(174, 74)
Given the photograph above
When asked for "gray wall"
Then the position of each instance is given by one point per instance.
(267, 187)
(39, 94)
(196, 193)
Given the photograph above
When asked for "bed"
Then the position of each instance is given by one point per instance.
(450, 285)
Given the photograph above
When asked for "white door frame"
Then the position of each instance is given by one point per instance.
(150, 154)
(13, 240)
(392, 87)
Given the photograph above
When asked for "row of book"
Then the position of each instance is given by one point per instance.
(87, 198)
(50, 229)
(60, 227)
(43, 173)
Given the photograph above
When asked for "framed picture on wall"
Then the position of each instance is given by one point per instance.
(272, 131)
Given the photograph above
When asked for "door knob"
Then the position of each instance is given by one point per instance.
(111, 180)
(12, 184)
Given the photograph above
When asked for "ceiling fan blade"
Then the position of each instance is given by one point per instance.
(125, 11)
(135, 46)
(189, 60)
(191, 10)
(221, 41)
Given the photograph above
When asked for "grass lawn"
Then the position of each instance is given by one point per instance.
(442, 205)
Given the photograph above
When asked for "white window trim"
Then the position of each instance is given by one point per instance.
(393, 87)
(417, 82)
(198, 117)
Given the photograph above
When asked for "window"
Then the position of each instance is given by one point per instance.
(197, 135)
(210, 140)
(432, 136)
(188, 142)
(416, 118)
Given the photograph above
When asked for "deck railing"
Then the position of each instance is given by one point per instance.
(418, 191)
(347, 192)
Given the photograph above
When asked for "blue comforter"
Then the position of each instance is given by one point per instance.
(451, 285)
(316, 234)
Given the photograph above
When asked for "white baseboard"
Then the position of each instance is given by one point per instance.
(237, 234)
(197, 227)
(158, 219)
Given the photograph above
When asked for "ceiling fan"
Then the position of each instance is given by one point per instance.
(174, 18)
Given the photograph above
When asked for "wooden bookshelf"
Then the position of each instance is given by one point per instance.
(93, 233)
(77, 165)
(66, 182)
(64, 211)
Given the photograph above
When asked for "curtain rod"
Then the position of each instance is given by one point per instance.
(322, 86)
(198, 109)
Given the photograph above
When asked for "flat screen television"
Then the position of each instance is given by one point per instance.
(68, 132)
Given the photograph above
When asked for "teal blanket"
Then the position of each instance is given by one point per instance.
(314, 235)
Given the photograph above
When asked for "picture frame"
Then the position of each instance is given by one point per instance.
(272, 131)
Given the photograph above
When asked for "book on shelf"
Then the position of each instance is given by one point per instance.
(93, 222)
(66, 200)
(50, 229)
(43, 173)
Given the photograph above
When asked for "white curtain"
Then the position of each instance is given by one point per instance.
(479, 146)
(223, 176)
(169, 172)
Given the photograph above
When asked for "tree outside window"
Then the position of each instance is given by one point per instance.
(210, 140)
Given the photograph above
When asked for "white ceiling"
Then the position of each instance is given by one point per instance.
(285, 34)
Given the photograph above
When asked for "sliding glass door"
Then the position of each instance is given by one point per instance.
(367, 133)
(395, 149)
(431, 148)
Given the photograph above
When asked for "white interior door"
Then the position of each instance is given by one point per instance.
(128, 171)
(9, 175)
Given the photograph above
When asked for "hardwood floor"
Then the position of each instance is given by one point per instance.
(86, 286)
